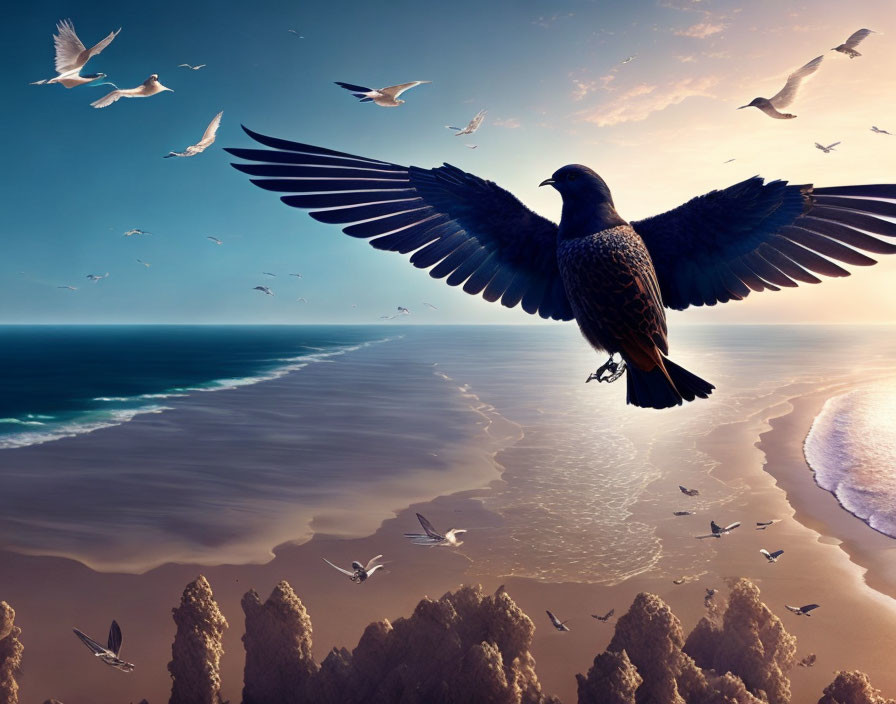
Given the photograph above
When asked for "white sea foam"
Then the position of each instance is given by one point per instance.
(851, 448)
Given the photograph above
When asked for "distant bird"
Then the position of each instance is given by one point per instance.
(191, 67)
(710, 593)
(208, 138)
(605, 617)
(385, 97)
(264, 289)
(149, 87)
(718, 531)
(771, 556)
(784, 97)
(146, 264)
(360, 573)
(472, 125)
(688, 492)
(557, 623)
(214, 239)
(808, 661)
(627, 60)
(802, 610)
(108, 654)
(403, 311)
(71, 56)
(682, 513)
(136, 231)
(302, 300)
(292, 31)
(433, 537)
(296, 275)
(472, 146)
(97, 277)
(70, 288)
(729, 161)
(615, 278)
(877, 130)
(826, 149)
(679, 581)
(430, 305)
(764, 524)
(849, 46)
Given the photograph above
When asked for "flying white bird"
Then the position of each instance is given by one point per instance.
(149, 87)
(472, 125)
(302, 300)
(718, 531)
(208, 138)
(70, 288)
(784, 97)
(264, 289)
(627, 60)
(191, 67)
(688, 492)
(385, 97)
(802, 610)
(108, 654)
(849, 46)
(360, 573)
(433, 537)
(826, 149)
(146, 264)
(878, 130)
(71, 56)
(214, 239)
(403, 311)
(136, 231)
(772, 556)
(292, 31)
(472, 146)
(557, 623)
(97, 277)
(605, 617)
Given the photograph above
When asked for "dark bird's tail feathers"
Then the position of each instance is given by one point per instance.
(357, 91)
(653, 389)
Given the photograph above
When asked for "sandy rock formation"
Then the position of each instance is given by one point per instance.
(197, 649)
(852, 688)
(10, 655)
(612, 679)
(279, 663)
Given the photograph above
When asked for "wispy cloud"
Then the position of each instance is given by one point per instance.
(643, 100)
(510, 123)
(548, 20)
(689, 59)
(582, 88)
(702, 30)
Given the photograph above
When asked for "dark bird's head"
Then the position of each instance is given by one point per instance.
(754, 103)
(587, 202)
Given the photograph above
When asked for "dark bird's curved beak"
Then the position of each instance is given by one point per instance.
(547, 182)
(743, 106)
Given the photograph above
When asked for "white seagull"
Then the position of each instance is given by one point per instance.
(785, 96)
(191, 67)
(471, 127)
(772, 556)
(826, 149)
(264, 289)
(70, 288)
(360, 573)
(802, 610)
(718, 531)
(97, 277)
(557, 623)
(849, 46)
(146, 264)
(433, 537)
(214, 239)
(136, 231)
(627, 60)
(71, 56)
(472, 146)
(878, 130)
(302, 300)
(149, 87)
(292, 31)
(108, 654)
(208, 138)
(385, 97)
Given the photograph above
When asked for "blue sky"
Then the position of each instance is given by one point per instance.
(657, 128)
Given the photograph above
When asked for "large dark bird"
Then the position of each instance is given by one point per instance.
(612, 276)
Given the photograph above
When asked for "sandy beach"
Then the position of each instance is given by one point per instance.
(745, 454)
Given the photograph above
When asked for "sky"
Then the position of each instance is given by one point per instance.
(658, 129)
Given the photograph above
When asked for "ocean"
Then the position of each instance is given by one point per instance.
(135, 462)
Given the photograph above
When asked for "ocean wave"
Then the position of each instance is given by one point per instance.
(851, 449)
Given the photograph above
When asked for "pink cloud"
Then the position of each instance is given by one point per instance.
(701, 30)
(643, 100)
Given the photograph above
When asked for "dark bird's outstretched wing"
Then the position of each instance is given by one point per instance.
(115, 638)
(466, 228)
(95, 647)
(808, 607)
(854, 39)
(755, 236)
(428, 527)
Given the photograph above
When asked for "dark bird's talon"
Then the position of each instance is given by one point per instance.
(611, 368)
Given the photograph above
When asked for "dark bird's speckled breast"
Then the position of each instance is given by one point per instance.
(611, 284)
